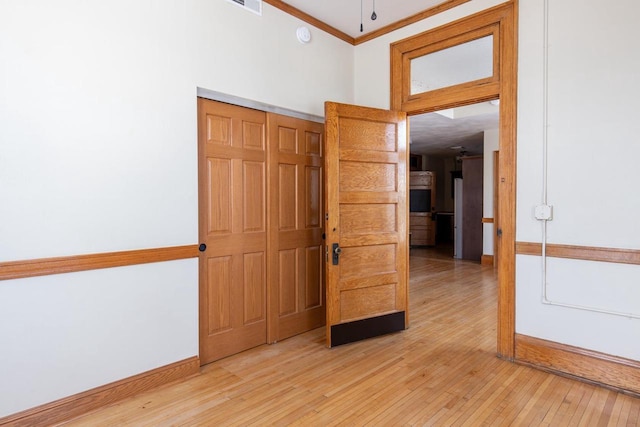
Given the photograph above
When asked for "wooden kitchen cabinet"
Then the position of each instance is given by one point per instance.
(422, 196)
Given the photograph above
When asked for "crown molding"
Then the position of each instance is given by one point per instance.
(287, 8)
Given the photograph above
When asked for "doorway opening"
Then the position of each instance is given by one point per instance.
(415, 91)
(455, 147)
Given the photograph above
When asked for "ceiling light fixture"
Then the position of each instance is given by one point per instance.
(303, 34)
(373, 15)
(361, 27)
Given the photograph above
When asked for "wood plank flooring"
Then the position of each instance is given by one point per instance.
(441, 371)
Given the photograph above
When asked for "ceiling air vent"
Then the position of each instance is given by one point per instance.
(254, 6)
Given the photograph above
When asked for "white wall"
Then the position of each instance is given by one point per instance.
(98, 153)
(71, 332)
(593, 92)
(491, 144)
(593, 63)
(95, 87)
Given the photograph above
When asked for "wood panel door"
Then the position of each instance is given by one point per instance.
(366, 222)
(296, 267)
(472, 176)
(233, 225)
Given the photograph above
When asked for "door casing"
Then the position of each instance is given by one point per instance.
(501, 21)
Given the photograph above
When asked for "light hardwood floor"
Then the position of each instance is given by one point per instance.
(441, 371)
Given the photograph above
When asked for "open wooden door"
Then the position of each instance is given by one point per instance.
(366, 222)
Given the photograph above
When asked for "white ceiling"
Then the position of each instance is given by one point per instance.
(436, 133)
(433, 133)
(345, 14)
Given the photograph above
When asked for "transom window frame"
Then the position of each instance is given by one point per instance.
(450, 35)
(410, 100)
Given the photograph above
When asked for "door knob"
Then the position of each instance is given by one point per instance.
(202, 247)
(336, 251)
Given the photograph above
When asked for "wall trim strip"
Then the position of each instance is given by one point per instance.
(586, 253)
(487, 220)
(81, 403)
(587, 365)
(46, 266)
(529, 248)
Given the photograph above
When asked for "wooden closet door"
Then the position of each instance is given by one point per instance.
(233, 225)
(296, 263)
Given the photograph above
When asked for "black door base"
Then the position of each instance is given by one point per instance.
(358, 330)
